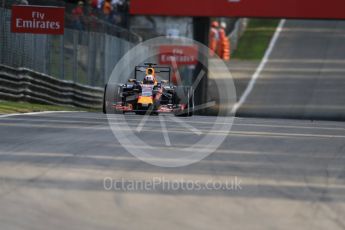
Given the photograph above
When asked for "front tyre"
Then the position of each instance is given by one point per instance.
(104, 107)
(189, 110)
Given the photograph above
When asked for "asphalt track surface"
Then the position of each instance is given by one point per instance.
(290, 172)
(305, 74)
(291, 176)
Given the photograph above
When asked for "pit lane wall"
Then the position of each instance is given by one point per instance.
(22, 84)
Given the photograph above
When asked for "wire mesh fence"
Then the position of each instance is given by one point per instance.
(85, 56)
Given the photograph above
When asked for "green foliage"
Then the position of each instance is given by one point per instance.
(255, 40)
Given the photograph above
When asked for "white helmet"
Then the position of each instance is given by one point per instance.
(223, 25)
(149, 78)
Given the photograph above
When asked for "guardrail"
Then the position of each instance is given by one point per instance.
(22, 84)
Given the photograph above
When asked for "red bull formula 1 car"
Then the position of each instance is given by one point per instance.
(150, 94)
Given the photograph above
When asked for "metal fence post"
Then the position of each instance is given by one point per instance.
(106, 58)
(103, 59)
(2, 35)
(48, 55)
(75, 55)
(34, 53)
(62, 62)
(90, 57)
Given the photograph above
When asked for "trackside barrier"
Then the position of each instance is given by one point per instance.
(22, 84)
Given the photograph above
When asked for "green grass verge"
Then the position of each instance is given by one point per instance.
(255, 40)
(7, 107)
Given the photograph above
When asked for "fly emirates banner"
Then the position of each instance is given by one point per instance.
(37, 19)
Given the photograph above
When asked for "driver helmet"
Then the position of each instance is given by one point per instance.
(149, 78)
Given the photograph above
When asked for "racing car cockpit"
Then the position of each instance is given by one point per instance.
(150, 77)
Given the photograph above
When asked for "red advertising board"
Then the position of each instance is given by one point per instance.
(37, 19)
(180, 54)
(330, 9)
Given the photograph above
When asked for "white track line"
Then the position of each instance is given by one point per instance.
(184, 124)
(165, 131)
(260, 67)
(35, 113)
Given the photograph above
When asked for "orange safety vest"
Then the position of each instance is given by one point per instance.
(213, 40)
(107, 8)
(223, 45)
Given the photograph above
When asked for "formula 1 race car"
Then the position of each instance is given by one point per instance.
(149, 95)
